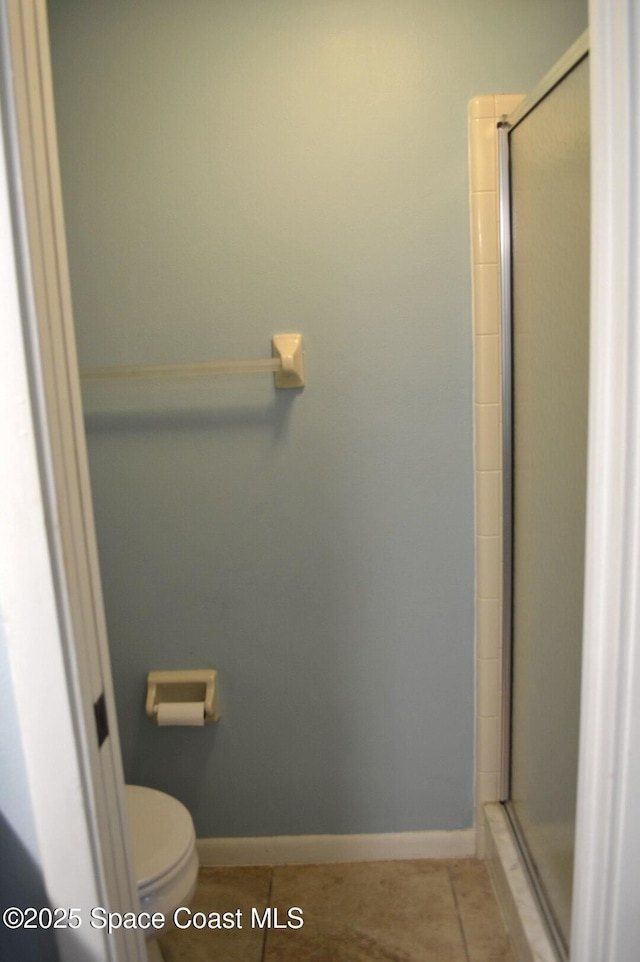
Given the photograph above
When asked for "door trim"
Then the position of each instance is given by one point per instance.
(51, 595)
(606, 922)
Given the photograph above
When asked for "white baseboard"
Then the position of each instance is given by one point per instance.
(312, 849)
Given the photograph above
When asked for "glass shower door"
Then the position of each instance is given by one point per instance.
(549, 186)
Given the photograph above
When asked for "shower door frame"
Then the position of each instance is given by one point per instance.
(573, 57)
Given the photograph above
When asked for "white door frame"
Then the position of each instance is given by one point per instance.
(606, 916)
(50, 593)
(53, 615)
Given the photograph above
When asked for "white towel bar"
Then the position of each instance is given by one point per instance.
(287, 366)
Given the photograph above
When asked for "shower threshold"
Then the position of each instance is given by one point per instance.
(523, 917)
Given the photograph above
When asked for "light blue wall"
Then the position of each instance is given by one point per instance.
(231, 170)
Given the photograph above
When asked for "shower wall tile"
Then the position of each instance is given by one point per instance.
(487, 374)
(488, 784)
(484, 112)
(488, 744)
(506, 103)
(482, 107)
(488, 448)
(489, 567)
(488, 627)
(483, 149)
(486, 298)
(484, 223)
(488, 502)
(488, 690)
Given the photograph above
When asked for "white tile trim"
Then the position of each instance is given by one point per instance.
(482, 107)
(484, 112)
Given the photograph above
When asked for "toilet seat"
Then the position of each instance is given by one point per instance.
(164, 855)
(162, 834)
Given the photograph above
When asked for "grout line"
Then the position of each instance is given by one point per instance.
(460, 922)
(266, 930)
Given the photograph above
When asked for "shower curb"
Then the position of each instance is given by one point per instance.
(527, 930)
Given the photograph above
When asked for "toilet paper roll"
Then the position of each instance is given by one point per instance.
(181, 713)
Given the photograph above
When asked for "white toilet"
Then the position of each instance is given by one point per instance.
(164, 854)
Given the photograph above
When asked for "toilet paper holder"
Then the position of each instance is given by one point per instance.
(196, 687)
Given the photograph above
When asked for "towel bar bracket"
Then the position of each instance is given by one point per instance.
(288, 347)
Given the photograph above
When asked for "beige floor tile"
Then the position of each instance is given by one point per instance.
(223, 890)
(367, 912)
(484, 931)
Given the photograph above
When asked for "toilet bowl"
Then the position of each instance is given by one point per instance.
(164, 855)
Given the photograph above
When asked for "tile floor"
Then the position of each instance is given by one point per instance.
(405, 911)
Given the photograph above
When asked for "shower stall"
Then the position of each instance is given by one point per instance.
(545, 244)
